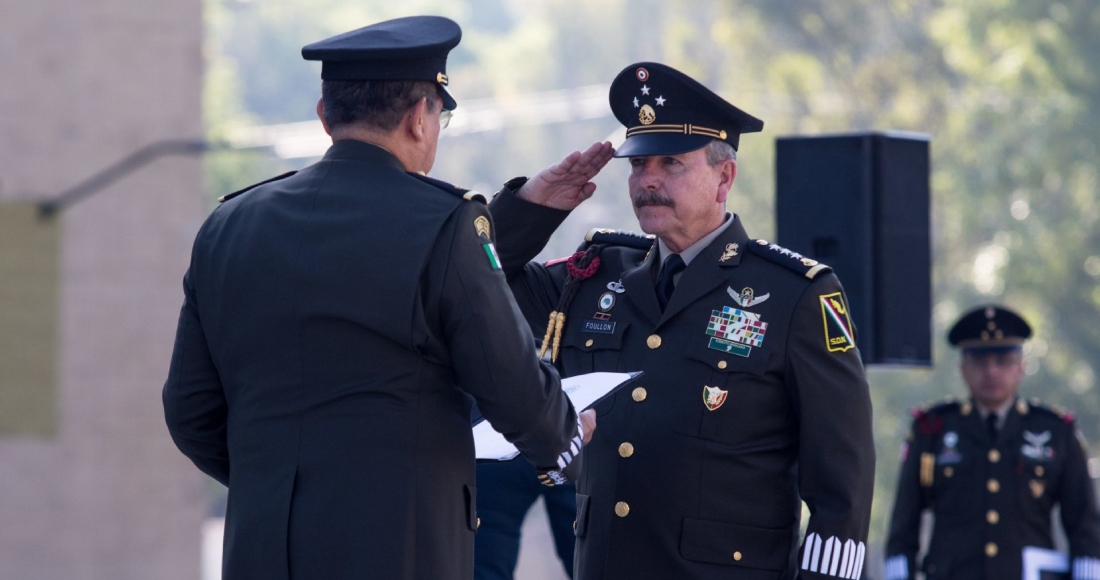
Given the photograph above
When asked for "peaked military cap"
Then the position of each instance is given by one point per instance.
(413, 48)
(989, 328)
(667, 112)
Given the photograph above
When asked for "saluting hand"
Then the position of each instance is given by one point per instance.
(566, 184)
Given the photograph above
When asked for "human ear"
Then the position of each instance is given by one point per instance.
(726, 176)
(321, 116)
(416, 119)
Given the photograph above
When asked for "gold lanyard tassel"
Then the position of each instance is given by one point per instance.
(557, 336)
(549, 333)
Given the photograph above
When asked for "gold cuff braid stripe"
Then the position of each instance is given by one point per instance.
(685, 129)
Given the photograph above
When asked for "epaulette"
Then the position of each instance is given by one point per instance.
(620, 238)
(791, 260)
(941, 405)
(1059, 412)
(929, 416)
(230, 196)
(465, 194)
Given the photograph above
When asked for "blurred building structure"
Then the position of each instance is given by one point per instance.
(102, 493)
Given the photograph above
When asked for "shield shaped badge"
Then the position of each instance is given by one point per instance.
(713, 397)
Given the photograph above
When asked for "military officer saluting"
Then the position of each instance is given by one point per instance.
(991, 468)
(336, 323)
(753, 397)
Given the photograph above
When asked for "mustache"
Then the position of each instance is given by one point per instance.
(650, 197)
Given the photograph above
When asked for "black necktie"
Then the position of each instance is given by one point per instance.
(673, 265)
(991, 426)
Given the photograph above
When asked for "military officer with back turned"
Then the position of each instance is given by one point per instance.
(336, 323)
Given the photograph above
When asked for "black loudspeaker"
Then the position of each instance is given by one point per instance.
(860, 203)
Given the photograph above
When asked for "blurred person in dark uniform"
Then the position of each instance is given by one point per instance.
(506, 492)
(338, 323)
(753, 397)
(991, 468)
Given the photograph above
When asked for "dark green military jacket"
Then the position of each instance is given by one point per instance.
(335, 325)
(992, 498)
(753, 398)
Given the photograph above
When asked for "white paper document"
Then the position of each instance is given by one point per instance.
(583, 391)
(1039, 560)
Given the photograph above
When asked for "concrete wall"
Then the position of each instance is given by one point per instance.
(83, 84)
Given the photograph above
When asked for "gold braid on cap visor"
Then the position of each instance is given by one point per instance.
(681, 129)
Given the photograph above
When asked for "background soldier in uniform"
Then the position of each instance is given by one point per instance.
(336, 322)
(991, 468)
(753, 397)
(506, 492)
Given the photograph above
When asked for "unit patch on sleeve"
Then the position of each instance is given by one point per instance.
(481, 227)
(838, 325)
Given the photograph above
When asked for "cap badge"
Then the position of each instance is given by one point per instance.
(642, 74)
(713, 397)
(731, 251)
(441, 78)
(647, 115)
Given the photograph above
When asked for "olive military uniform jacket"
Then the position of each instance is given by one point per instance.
(992, 498)
(750, 401)
(334, 326)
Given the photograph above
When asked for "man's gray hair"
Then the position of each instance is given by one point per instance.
(719, 151)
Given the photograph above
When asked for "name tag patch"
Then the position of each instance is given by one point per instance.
(729, 347)
(600, 326)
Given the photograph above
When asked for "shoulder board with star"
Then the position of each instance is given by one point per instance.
(789, 259)
(465, 194)
(1034, 404)
(230, 196)
(636, 240)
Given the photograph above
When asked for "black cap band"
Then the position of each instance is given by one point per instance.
(419, 69)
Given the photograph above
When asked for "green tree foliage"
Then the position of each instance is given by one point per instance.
(1006, 89)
